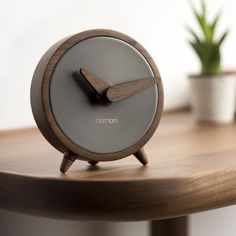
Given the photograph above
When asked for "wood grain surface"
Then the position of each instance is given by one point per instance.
(191, 168)
(121, 91)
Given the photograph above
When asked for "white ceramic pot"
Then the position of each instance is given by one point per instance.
(213, 97)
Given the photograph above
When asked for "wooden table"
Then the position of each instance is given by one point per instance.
(192, 169)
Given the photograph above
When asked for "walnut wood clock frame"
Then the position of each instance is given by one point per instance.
(41, 107)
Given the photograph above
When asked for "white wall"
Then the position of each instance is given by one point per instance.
(29, 27)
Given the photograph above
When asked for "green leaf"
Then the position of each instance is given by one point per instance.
(222, 38)
(213, 26)
(202, 21)
(193, 33)
(199, 49)
(203, 9)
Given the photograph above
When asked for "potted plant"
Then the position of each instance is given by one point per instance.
(213, 90)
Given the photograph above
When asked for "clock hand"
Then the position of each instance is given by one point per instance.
(121, 91)
(99, 85)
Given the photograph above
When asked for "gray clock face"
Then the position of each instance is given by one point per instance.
(102, 128)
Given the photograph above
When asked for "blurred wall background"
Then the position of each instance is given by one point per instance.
(30, 27)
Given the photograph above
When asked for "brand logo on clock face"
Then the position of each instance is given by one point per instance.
(110, 121)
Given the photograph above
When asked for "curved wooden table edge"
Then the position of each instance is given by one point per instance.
(192, 168)
(123, 200)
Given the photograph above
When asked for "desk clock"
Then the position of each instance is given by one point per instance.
(97, 96)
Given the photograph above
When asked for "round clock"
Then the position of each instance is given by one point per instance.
(97, 96)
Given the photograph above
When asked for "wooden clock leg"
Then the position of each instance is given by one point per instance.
(67, 161)
(141, 156)
(170, 227)
(93, 163)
